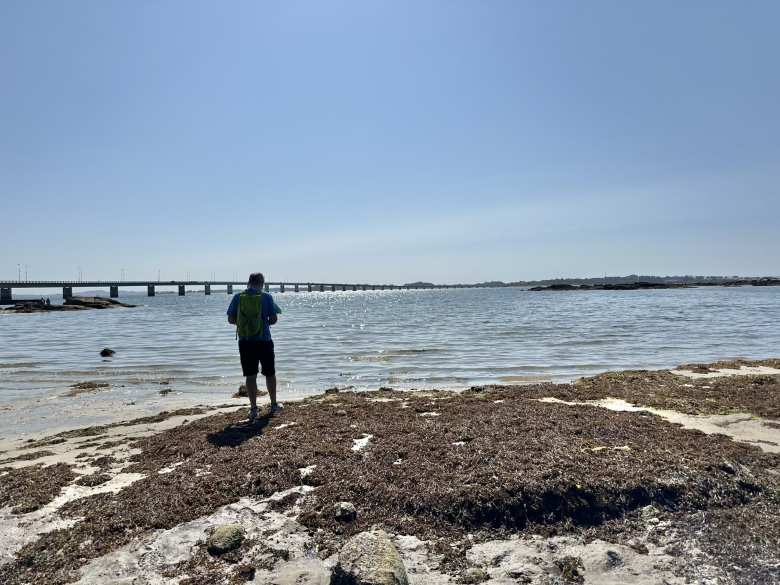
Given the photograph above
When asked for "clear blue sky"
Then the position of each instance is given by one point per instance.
(389, 141)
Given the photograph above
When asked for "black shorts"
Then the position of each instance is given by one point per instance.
(254, 353)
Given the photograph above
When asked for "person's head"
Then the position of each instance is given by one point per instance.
(256, 280)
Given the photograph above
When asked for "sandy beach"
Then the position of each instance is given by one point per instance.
(645, 477)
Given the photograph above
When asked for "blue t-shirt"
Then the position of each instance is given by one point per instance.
(268, 308)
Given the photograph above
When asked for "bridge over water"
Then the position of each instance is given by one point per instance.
(67, 286)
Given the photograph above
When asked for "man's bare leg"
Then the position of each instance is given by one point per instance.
(270, 384)
(251, 390)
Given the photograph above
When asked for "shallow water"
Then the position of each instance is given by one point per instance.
(405, 339)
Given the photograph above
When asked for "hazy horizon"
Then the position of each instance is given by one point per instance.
(389, 141)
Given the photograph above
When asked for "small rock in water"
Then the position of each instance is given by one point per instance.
(165, 391)
(345, 512)
(107, 352)
(369, 558)
(241, 392)
(225, 538)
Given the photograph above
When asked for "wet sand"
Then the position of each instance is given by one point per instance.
(626, 477)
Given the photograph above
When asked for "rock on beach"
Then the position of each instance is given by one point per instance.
(225, 538)
(370, 558)
(345, 511)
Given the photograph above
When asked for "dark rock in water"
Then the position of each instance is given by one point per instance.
(345, 512)
(225, 538)
(107, 352)
(370, 558)
(165, 391)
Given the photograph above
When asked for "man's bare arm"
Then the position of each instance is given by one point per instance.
(273, 319)
(231, 319)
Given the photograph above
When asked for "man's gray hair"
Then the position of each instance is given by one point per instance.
(256, 280)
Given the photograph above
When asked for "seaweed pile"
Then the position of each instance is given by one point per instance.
(755, 394)
(28, 488)
(490, 462)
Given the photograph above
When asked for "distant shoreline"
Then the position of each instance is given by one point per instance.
(654, 285)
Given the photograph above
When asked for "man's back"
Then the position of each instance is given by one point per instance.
(267, 310)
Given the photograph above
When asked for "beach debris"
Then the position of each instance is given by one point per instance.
(649, 512)
(242, 392)
(86, 387)
(474, 575)
(28, 488)
(107, 352)
(93, 479)
(571, 569)
(225, 538)
(369, 558)
(362, 442)
(638, 546)
(28, 456)
(345, 511)
(245, 572)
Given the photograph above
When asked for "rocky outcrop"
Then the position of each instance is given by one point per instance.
(72, 304)
(627, 286)
(370, 558)
(94, 303)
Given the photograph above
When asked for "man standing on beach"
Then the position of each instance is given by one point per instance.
(253, 312)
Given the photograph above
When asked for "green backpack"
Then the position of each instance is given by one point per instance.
(249, 321)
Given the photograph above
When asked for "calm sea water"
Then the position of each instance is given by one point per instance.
(403, 339)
